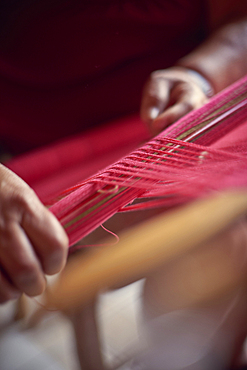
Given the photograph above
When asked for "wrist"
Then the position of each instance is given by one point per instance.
(200, 80)
(204, 84)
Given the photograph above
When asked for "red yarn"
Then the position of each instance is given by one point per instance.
(202, 153)
(172, 167)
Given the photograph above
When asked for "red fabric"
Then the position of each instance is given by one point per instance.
(66, 65)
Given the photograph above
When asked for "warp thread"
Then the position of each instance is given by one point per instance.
(177, 166)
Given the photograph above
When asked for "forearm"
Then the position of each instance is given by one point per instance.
(222, 59)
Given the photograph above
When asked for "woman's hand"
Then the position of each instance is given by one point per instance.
(32, 242)
(171, 93)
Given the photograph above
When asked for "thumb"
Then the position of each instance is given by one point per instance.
(155, 98)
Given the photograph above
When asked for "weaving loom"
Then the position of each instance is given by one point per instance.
(201, 156)
(165, 167)
(188, 160)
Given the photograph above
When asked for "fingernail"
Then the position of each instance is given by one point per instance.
(154, 112)
(54, 263)
(31, 283)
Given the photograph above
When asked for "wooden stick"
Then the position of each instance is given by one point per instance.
(145, 248)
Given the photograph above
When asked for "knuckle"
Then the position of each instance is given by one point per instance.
(12, 208)
(159, 73)
(154, 75)
(26, 200)
(157, 80)
(34, 213)
(20, 204)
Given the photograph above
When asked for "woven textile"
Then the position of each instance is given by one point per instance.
(203, 152)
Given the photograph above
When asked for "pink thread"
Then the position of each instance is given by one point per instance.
(79, 245)
(170, 169)
(44, 307)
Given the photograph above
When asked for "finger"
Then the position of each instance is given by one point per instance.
(47, 237)
(171, 115)
(187, 98)
(7, 290)
(20, 204)
(155, 97)
(20, 262)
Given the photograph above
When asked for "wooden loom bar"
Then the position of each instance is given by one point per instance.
(146, 247)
